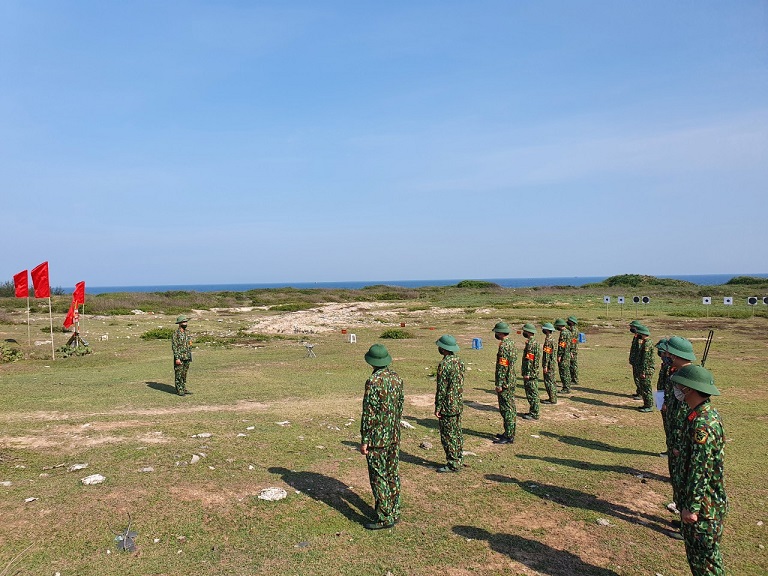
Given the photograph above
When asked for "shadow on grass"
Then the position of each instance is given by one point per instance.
(404, 456)
(431, 423)
(581, 465)
(160, 387)
(533, 554)
(578, 499)
(487, 390)
(329, 491)
(594, 402)
(596, 444)
(604, 392)
(483, 407)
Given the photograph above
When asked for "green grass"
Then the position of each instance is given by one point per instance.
(529, 507)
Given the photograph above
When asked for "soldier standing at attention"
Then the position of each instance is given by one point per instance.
(703, 502)
(530, 372)
(645, 363)
(449, 402)
(564, 355)
(572, 321)
(633, 356)
(506, 358)
(548, 363)
(380, 436)
(661, 382)
(182, 355)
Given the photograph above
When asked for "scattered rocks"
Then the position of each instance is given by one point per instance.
(283, 423)
(426, 445)
(272, 494)
(92, 479)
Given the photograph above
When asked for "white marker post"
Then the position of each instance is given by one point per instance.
(707, 301)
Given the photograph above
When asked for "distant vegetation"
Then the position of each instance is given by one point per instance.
(158, 334)
(746, 280)
(638, 280)
(396, 334)
(477, 284)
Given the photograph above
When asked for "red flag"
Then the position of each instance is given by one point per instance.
(78, 296)
(70, 319)
(21, 283)
(40, 281)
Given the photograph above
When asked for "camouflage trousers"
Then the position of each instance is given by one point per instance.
(532, 395)
(702, 547)
(180, 376)
(564, 366)
(549, 384)
(508, 411)
(646, 393)
(384, 474)
(575, 369)
(452, 439)
(636, 378)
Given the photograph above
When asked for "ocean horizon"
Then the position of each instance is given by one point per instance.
(699, 279)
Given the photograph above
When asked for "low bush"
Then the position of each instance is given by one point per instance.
(396, 334)
(158, 334)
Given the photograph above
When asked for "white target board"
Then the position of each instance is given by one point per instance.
(620, 299)
(607, 299)
(706, 300)
(728, 301)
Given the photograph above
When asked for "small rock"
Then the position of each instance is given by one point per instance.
(535, 436)
(6, 483)
(44, 475)
(301, 545)
(760, 523)
(92, 479)
(408, 425)
(283, 423)
(156, 540)
(272, 494)
(147, 469)
(603, 522)
(467, 453)
(251, 467)
(76, 467)
(761, 546)
(211, 468)
(320, 447)
(195, 459)
(241, 435)
(251, 428)
(202, 435)
(30, 499)
(426, 445)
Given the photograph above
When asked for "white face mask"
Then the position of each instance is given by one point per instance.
(679, 394)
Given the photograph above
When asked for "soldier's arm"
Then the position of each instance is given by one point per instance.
(370, 410)
(700, 468)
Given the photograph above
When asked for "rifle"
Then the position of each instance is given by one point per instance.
(706, 347)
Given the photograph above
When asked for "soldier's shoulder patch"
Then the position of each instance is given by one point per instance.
(701, 435)
(503, 362)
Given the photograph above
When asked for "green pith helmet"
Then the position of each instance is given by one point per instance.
(378, 356)
(643, 330)
(680, 347)
(696, 377)
(529, 328)
(447, 342)
(573, 319)
(547, 326)
(662, 345)
(502, 328)
(635, 323)
(560, 323)
(181, 318)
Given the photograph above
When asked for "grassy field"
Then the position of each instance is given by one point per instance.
(278, 418)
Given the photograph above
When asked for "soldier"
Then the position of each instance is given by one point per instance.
(661, 382)
(564, 355)
(703, 501)
(380, 436)
(572, 321)
(182, 355)
(675, 412)
(506, 358)
(548, 363)
(645, 363)
(632, 356)
(449, 402)
(530, 372)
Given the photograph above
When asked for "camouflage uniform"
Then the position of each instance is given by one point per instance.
(530, 373)
(703, 490)
(564, 359)
(380, 430)
(182, 350)
(645, 362)
(675, 415)
(633, 349)
(548, 364)
(506, 358)
(449, 403)
(574, 354)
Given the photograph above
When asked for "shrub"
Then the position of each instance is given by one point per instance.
(67, 351)
(293, 307)
(746, 280)
(158, 334)
(477, 284)
(9, 353)
(396, 334)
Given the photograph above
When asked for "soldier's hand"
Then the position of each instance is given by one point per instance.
(178, 362)
(689, 517)
(437, 414)
(526, 378)
(498, 390)
(364, 449)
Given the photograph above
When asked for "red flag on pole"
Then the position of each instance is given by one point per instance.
(21, 283)
(70, 319)
(78, 296)
(40, 281)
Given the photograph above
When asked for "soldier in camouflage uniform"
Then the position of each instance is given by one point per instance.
(645, 362)
(380, 436)
(530, 372)
(505, 380)
(181, 345)
(703, 502)
(548, 363)
(572, 321)
(564, 355)
(633, 356)
(449, 402)
(675, 412)
(661, 382)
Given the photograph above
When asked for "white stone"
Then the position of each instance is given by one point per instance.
(603, 522)
(283, 423)
(93, 479)
(195, 459)
(202, 435)
(76, 467)
(272, 494)
(6, 483)
(403, 424)
(30, 499)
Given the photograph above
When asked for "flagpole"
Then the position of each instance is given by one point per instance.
(29, 337)
(50, 317)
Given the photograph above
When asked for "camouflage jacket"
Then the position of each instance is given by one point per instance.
(531, 357)
(506, 358)
(564, 344)
(633, 349)
(548, 353)
(574, 340)
(661, 383)
(646, 358)
(181, 344)
(449, 397)
(703, 486)
(676, 415)
(382, 409)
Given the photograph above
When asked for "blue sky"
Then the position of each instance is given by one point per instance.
(247, 141)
